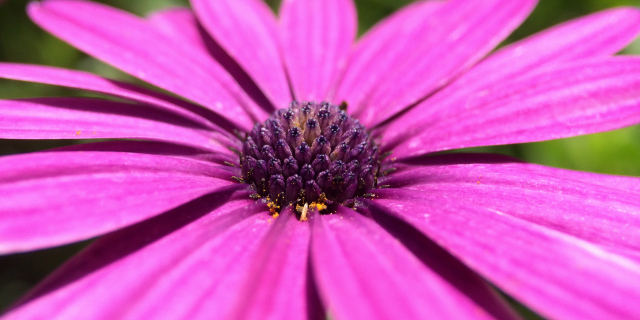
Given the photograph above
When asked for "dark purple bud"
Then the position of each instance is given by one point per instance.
(276, 187)
(266, 137)
(272, 124)
(246, 146)
(279, 114)
(311, 130)
(283, 150)
(373, 151)
(340, 152)
(341, 120)
(249, 148)
(324, 180)
(303, 153)
(357, 151)
(293, 188)
(289, 119)
(248, 166)
(307, 173)
(289, 167)
(275, 166)
(367, 178)
(324, 116)
(333, 134)
(352, 137)
(267, 153)
(255, 135)
(337, 168)
(276, 129)
(306, 112)
(370, 160)
(278, 134)
(260, 173)
(311, 191)
(320, 146)
(321, 163)
(294, 104)
(353, 166)
(294, 137)
(349, 188)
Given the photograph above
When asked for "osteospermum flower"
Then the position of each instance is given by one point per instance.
(297, 178)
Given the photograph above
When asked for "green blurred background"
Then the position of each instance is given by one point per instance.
(616, 152)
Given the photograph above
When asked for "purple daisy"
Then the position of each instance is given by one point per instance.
(296, 175)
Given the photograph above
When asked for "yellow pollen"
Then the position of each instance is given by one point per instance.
(273, 208)
(304, 210)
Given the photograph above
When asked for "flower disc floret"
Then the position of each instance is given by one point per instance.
(310, 154)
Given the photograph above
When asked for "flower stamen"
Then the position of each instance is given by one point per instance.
(311, 156)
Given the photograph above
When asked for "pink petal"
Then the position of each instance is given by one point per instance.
(427, 54)
(203, 282)
(157, 148)
(80, 118)
(598, 208)
(277, 282)
(379, 49)
(556, 102)
(87, 81)
(364, 273)
(317, 37)
(123, 271)
(136, 47)
(247, 30)
(557, 275)
(52, 198)
(596, 35)
(252, 269)
(182, 25)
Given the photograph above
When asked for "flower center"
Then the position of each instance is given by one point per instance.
(310, 155)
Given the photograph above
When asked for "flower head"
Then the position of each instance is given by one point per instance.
(235, 202)
(311, 154)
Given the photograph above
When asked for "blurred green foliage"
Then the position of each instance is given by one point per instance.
(616, 152)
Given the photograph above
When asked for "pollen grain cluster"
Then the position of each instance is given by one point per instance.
(309, 155)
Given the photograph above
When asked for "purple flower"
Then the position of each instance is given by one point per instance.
(220, 206)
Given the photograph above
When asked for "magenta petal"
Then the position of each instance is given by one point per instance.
(364, 273)
(124, 271)
(52, 198)
(181, 24)
(378, 50)
(247, 30)
(157, 148)
(602, 209)
(317, 37)
(556, 102)
(202, 283)
(80, 118)
(596, 35)
(135, 46)
(278, 273)
(87, 81)
(557, 275)
(427, 54)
